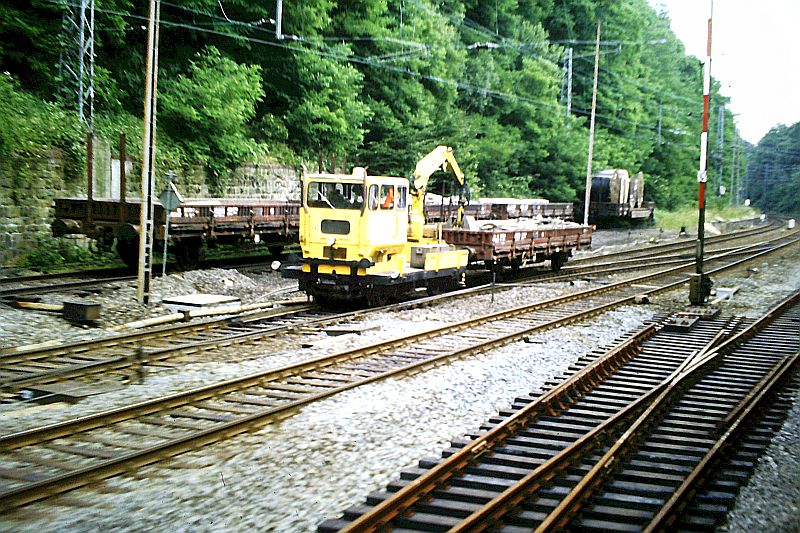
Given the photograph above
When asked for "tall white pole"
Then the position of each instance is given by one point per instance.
(569, 83)
(591, 130)
(279, 20)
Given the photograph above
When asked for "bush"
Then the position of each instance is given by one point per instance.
(29, 126)
(49, 253)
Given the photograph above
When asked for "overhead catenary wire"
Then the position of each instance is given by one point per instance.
(332, 54)
(506, 42)
(337, 54)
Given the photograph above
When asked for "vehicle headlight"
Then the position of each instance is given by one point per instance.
(276, 265)
(394, 274)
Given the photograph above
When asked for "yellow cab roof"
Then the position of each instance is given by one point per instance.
(351, 178)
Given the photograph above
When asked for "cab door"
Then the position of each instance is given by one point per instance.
(386, 216)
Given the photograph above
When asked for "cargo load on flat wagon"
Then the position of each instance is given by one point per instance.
(518, 243)
(617, 197)
(442, 208)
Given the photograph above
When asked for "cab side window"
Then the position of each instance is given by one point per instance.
(387, 196)
(373, 197)
(401, 197)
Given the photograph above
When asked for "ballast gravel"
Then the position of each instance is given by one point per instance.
(120, 306)
(291, 475)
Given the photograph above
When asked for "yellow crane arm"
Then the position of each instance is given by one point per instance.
(439, 158)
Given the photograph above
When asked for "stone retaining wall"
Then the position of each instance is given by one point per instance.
(27, 188)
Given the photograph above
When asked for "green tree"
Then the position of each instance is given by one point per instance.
(207, 109)
(326, 116)
(773, 170)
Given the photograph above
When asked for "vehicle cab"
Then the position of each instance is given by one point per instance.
(354, 220)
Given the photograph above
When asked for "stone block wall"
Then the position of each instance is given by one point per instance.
(27, 188)
(268, 181)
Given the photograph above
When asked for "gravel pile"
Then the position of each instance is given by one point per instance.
(291, 475)
(119, 304)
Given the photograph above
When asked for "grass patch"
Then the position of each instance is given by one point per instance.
(687, 216)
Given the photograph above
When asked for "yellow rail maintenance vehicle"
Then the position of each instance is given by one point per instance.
(364, 238)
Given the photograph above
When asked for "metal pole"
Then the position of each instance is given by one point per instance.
(279, 20)
(171, 178)
(148, 159)
(591, 130)
(82, 47)
(721, 145)
(700, 284)
(90, 88)
(569, 82)
(731, 199)
(90, 182)
(123, 179)
(660, 110)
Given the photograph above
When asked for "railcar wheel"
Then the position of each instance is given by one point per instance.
(557, 260)
(187, 253)
(128, 251)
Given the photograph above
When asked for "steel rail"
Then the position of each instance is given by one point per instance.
(733, 425)
(381, 515)
(10, 355)
(687, 244)
(77, 478)
(637, 264)
(651, 403)
(566, 393)
(159, 354)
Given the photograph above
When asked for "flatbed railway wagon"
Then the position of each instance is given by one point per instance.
(274, 223)
(496, 245)
(438, 209)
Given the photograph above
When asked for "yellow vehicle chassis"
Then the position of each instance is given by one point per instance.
(375, 289)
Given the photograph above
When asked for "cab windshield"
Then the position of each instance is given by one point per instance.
(335, 195)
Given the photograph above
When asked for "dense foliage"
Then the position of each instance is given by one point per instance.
(379, 83)
(773, 171)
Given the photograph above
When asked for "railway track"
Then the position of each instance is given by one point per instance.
(167, 347)
(21, 286)
(667, 253)
(688, 244)
(40, 462)
(114, 356)
(628, 442)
